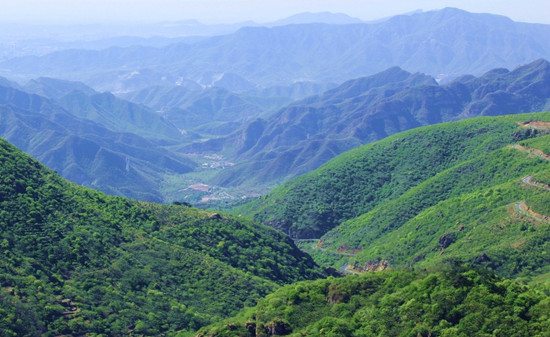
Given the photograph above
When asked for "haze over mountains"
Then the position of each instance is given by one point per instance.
(412, 146)
(40, 39)
(306, 134)
(445, 43)
(87, 152)
(294, 140)
(266, 101)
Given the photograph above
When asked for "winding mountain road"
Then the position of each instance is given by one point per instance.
(528, 180)
(522, 208)
(536, 152)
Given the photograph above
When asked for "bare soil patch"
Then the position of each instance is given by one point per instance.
(540, 125)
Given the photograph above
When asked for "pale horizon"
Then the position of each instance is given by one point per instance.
(235, 11)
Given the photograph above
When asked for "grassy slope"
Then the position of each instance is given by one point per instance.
(75, 261)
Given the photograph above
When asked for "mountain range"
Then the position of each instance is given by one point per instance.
(87, 152)
(306, 134)
(444, 43)
(412, 177)
(76, 261)
(133, 148)
(40, 39)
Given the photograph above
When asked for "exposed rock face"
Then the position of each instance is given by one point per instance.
(215, 216)
(369, 266)
(482, 258)
(446, 240)
(251, 328)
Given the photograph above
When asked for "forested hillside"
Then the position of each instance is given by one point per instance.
(453, 302)
(456, 215)
(472, 191)
(361, 179)
(318, 175)
(74, 261)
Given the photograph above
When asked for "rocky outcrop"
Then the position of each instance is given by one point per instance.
(369, 266)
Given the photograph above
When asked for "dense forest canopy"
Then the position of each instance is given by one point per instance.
(75, 261)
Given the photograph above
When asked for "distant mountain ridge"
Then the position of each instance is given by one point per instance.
(308, 133)
(320, 17)
(189, 109)
(268, 149)
(444, 43)
(104, 108)
(55, 88)
(222, 108)
(86, 152)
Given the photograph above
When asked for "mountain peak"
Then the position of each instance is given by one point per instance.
(452, 12)
(320, 17)
(4, 82)
(537, 64)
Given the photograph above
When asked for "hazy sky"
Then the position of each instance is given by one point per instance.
(229, 11)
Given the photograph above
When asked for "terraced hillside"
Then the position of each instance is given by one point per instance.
(494, 216)
(423, 263)
(490, 211)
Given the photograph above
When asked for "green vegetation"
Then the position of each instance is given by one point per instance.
(364, 178)
(74, 261)
(455, 302)
(481, 204)
(480, 198)
(479, 217)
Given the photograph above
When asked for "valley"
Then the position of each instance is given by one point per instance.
(394, 230)
(245, 154)
(319, 175)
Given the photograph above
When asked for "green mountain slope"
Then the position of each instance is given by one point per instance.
(362, 179)
(452, 302)
(455, 202)
(74, 261)
(487, 211)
